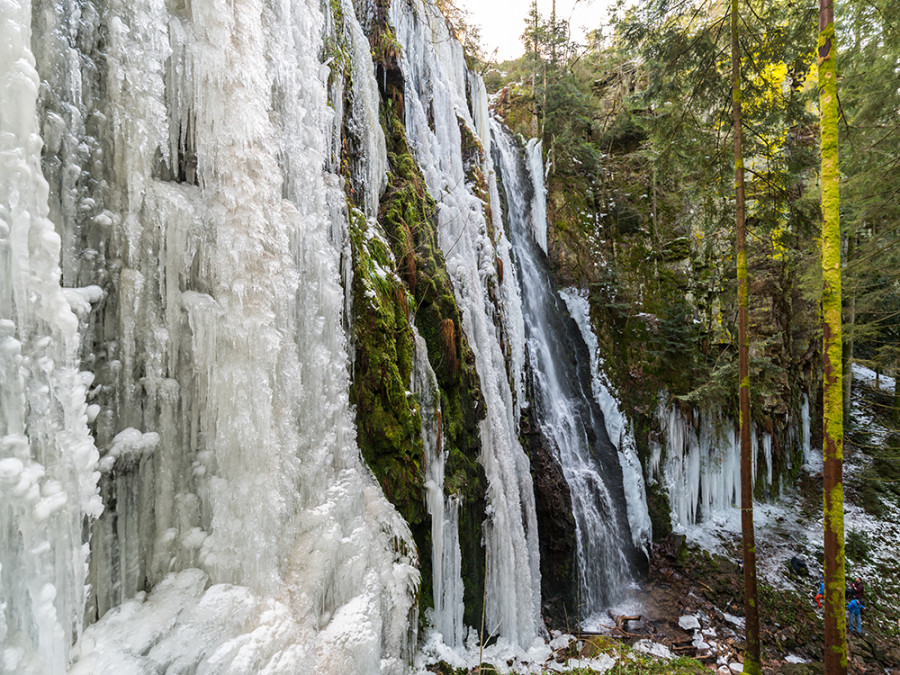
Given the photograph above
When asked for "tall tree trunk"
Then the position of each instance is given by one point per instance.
(833, 410)
(851, 323)
(751, 609)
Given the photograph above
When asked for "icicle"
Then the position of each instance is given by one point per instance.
(48, 461)
(805, 430)
(221, 407)
(446, 556)
(539, 203)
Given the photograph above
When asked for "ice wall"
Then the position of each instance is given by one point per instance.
(188, 148)
(438, 92)
(702, 471)
(535, 159)
(48, 460)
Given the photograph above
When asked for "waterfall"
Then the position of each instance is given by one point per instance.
(437, 115)
(618, 427)
(567, 412)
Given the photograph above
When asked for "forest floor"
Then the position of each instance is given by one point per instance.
(692, 600)
(686, 617)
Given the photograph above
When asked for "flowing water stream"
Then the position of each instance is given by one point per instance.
(570, 419)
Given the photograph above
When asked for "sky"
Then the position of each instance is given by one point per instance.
(503, 21)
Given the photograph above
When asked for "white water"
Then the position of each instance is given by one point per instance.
(436, 79)
(220, 406)
(447, 615)
(617, 425)
(564, 412)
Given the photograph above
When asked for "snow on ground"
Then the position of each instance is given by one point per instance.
(543, 656)
(870, 377)
(794, 525)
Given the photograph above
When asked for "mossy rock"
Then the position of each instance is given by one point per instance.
(406, 216)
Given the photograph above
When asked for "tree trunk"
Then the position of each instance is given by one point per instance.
(833, 410)
(751, 609)
(851, 322)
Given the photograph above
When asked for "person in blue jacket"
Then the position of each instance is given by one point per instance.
(854, 608)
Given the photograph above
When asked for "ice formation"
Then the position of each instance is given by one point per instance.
(437, 81)
(535, 159)
(186, 172)
(174, 222)
(702, 472)
(447, 615)
(48, 460)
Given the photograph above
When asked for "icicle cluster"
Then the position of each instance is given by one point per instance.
(187, 177)
(48, 460)
(702, 472)
(438, 82)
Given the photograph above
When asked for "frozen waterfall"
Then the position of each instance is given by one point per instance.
(184, 151)
(702, 470)
(439, 103)
(48, 460)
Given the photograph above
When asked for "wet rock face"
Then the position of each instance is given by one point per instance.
(556, 528)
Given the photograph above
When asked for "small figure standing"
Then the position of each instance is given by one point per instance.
(820, 594)
(854, 608)
(856, 589)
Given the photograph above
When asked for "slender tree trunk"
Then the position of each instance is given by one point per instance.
(833, 409)
(655, 224)
(851, 323)
(751, 609)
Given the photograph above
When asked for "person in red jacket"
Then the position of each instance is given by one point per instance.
(856, 589)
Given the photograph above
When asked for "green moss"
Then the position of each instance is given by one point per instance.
(335, 49)
(387, 419)
(407, 218)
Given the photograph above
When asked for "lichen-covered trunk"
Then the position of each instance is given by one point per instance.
(833, 411)
(751, 610)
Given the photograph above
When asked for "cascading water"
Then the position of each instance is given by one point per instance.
(567, 413)
(617, 426)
